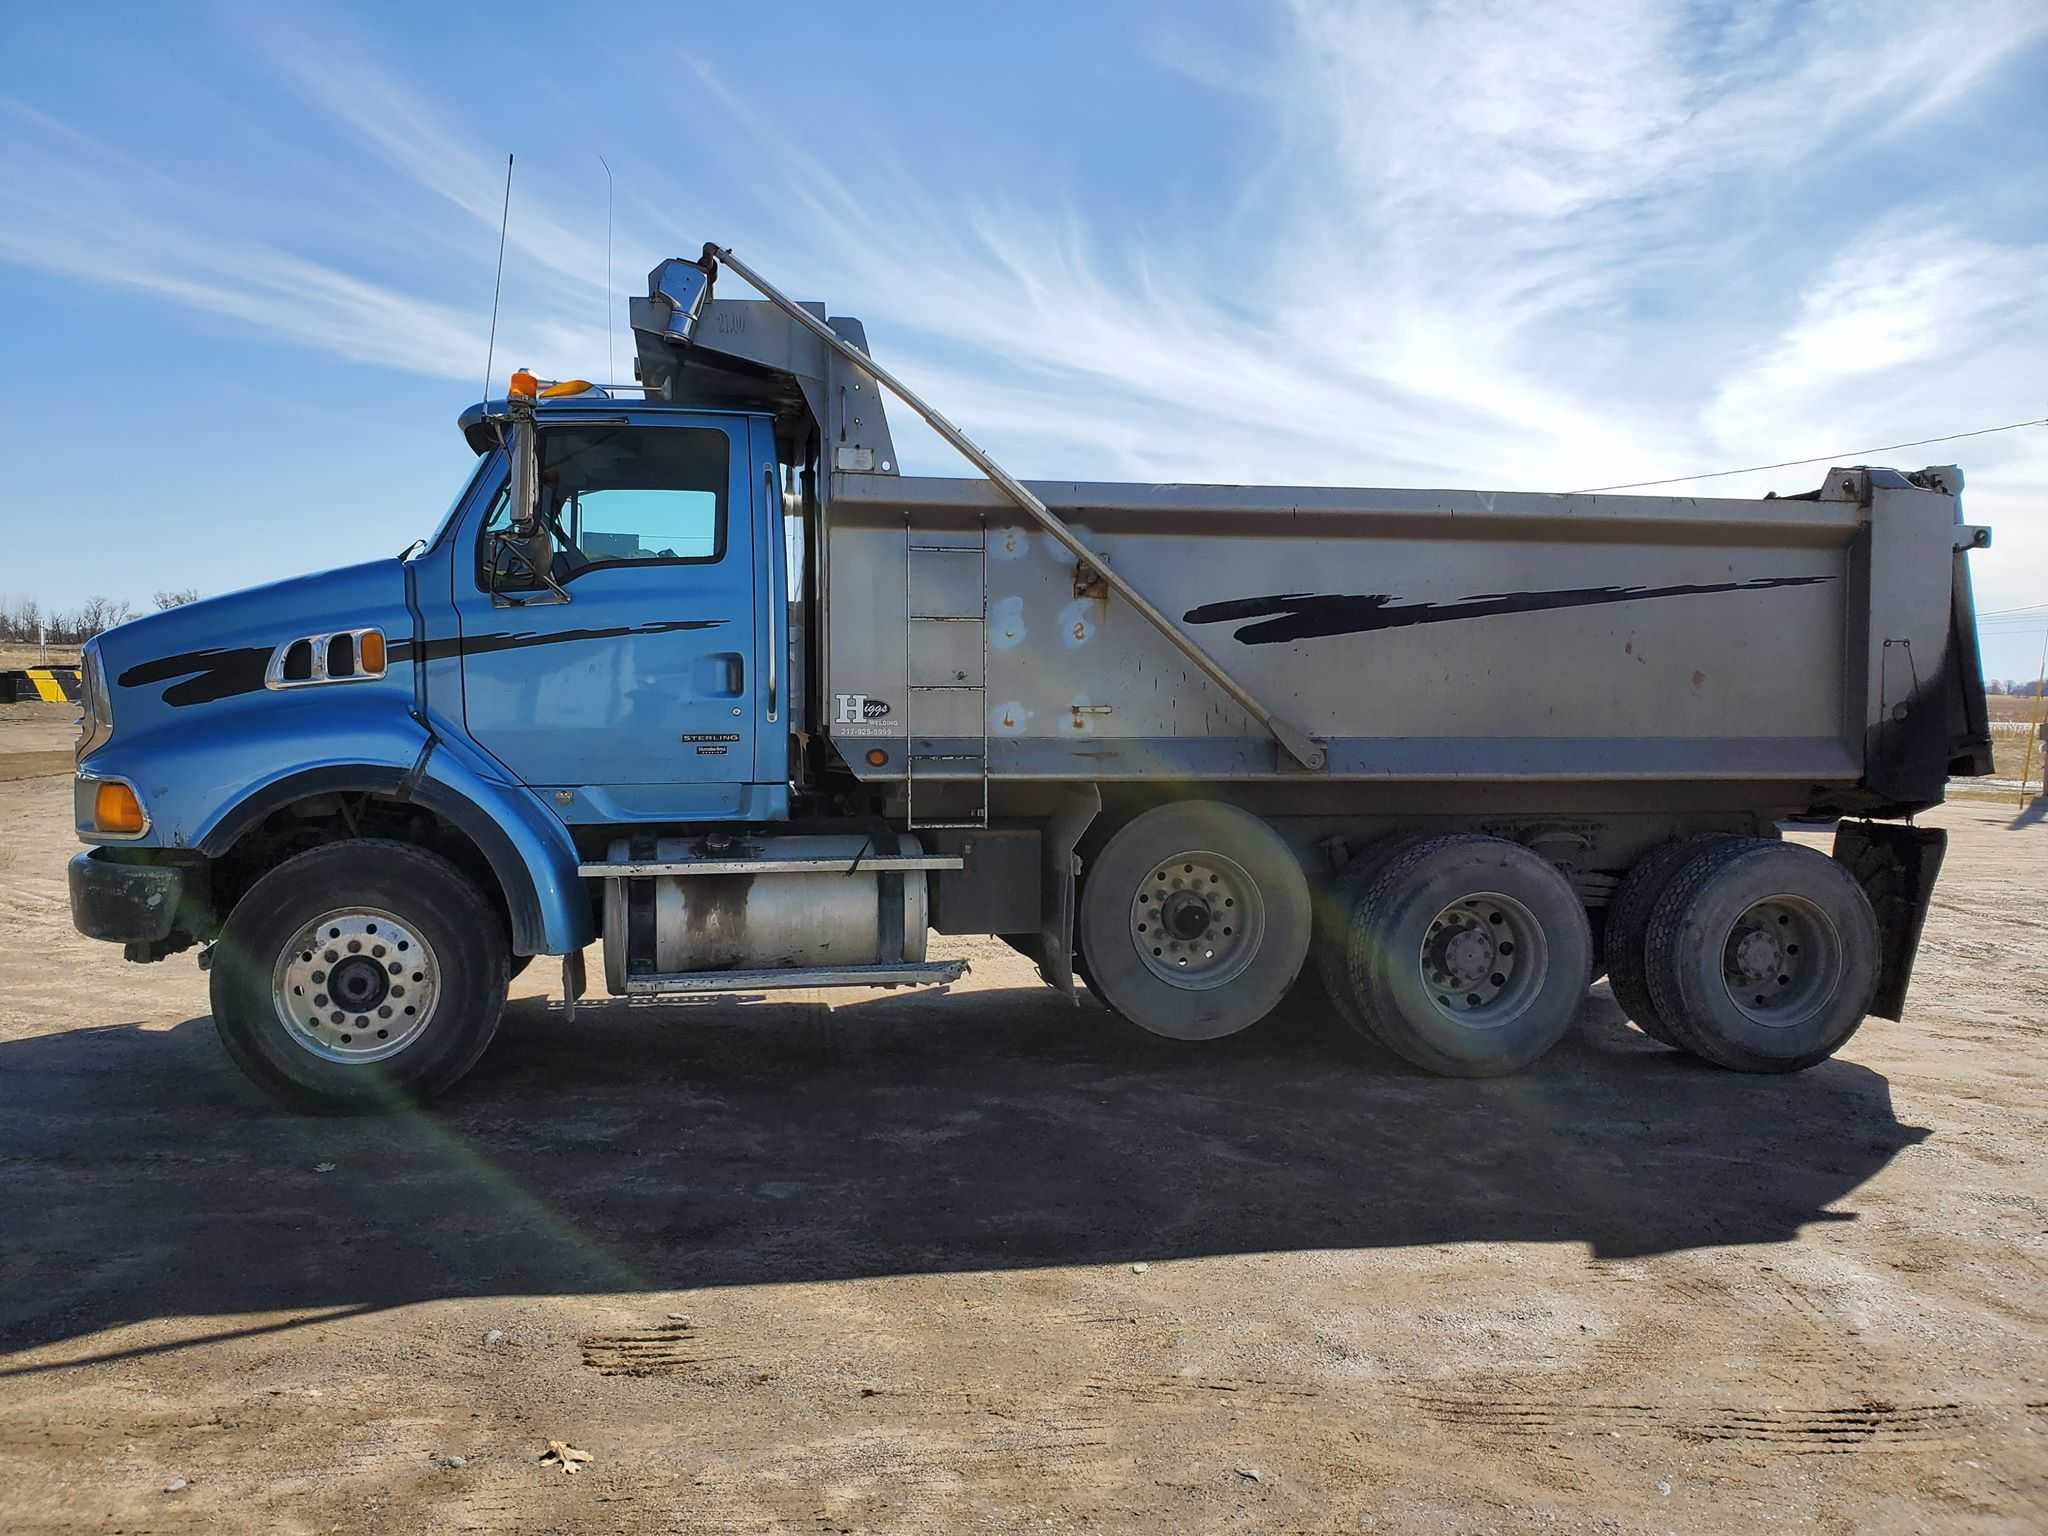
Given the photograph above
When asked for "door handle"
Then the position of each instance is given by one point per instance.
(720, 675)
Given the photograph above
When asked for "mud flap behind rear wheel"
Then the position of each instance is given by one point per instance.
(1896, 866)
(1078, 809)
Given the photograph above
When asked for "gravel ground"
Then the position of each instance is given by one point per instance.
(987, 1261)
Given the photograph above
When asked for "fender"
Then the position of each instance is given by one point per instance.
(528, 850)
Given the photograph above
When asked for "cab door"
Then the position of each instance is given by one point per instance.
(625, 683)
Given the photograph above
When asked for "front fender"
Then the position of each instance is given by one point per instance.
(201, 794)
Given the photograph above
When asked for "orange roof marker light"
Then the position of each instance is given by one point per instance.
(566, 387)
(524, 386)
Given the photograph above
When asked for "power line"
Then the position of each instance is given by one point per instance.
(1823, 458)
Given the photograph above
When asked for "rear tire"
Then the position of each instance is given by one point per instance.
(1628, 925)
(1763, 956)
(1194, 920)
(1466, 955)
(364, 975)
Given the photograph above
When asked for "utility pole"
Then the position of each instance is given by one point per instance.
(2034, 730)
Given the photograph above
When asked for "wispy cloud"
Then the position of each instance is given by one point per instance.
(1472, 220)
(79, 209)
(1491, 243)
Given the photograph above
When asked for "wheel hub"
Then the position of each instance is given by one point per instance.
(1482, 958)
(1197, 920)
(1782, 961)
(356, 985)
(1463, 951)
(1185, 915)
(1757, 954)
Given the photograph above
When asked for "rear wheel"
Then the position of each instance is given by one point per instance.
(1194, 920)
(362, 975)
(1466, 955)
(1628, 924)
(1763, 956)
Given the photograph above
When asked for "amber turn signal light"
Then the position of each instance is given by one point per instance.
(115, 809)
(370, 652)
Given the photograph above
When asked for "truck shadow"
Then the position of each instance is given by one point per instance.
(663, 1147)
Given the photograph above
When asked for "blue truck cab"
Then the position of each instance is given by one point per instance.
(576, 710)
(629, 687)
(603, 650)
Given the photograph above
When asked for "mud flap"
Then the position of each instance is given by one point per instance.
(573, 983)
(1077, 811)
(1896, 866)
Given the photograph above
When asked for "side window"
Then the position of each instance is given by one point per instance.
(612, 495)
(646, 525)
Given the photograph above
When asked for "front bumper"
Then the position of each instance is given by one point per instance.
(129, 903)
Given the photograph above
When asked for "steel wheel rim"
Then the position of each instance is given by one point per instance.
(1483, 960)
(356, 985)
(1782, 962)
(1197, 920)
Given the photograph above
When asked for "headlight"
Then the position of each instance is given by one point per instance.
(96, 724)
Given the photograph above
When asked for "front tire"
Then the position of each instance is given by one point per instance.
(1194, 920)
(364, 975)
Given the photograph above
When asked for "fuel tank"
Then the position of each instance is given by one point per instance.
(763, 920)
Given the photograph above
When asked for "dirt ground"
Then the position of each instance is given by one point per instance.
(989, 1261)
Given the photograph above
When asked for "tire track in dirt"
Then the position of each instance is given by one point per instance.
(1816, 1429)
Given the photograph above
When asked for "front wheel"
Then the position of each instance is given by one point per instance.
(363, 975)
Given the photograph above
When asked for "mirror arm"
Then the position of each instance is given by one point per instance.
(510, 542)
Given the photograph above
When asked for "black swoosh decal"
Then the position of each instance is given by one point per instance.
(223, 673)
(518, 640)
(1305, 616)
(208, 675)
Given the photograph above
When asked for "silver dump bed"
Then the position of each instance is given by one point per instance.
(1424, 635)
(1819, 649)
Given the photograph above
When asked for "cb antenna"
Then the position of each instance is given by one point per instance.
(498, 287)
(611, 367)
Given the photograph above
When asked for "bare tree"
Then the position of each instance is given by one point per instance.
(177, 599)
(23, 622)
(95, 616)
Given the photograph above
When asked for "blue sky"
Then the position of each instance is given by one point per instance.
(246, 254)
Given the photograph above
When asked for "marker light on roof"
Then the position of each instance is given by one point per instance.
(524, 386)
(566, 387)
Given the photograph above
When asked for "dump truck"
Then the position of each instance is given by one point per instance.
(692, 669)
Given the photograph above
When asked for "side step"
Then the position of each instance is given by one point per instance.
(893, 863)
(701, 983)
